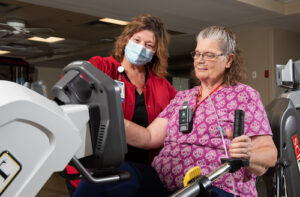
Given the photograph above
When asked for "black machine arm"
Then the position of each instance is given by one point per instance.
(115, 176)
(83, 83)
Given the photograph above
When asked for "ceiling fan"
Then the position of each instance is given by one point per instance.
(17, 27)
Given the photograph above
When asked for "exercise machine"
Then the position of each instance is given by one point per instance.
(284, 119)
(39, 137)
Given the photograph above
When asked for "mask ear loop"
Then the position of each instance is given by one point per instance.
(223, 141)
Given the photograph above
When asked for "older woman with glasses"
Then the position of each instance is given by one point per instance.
(219, 69)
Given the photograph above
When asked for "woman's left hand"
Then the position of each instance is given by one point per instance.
(241, 147)
(259, 150)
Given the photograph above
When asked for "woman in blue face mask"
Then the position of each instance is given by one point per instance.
(138, 64)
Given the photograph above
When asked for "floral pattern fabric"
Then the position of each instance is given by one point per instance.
(203, 146)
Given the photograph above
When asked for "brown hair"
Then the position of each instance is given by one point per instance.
(159, 62)
(228, 44)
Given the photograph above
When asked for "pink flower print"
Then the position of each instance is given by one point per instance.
(239, 88)
(255, 126)
(175, 162)
(177, 169)
(213, 129)
(210, 119)
(204, 170)
(209, 109)
(253, 95)
(220, 97)
(166, 168)
(168, 179)
(172, 121)
(265, 125)
(166, 160)
(237, 175)
(166, 151)
(157, 160)
(198, 153)
(231, 115)
(192, 138)
(200, 109)
(172, 138)
(173, 131)
(249, 89)
(220, 104)
(240, 185)
(242, 106)
(232, 105)
(251, 106)
(186, 151)
(230, 96)
(204, 139)
(246, 128)
(158, 167)
(216, 141)
(227, 90)
(242, 97)
(198, 117)
(246, 190)
(248, 117)
(182, 138)
(201, 128)
(228, 181)
(175, 151)
(179, 181)
(222, 112)
(188, 161)
(210, 156)
(258, 115)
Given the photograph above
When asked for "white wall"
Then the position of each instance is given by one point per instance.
(262, 49)
(256, 45)
(49, 76)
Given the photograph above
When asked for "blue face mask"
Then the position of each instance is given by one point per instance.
(138, 54)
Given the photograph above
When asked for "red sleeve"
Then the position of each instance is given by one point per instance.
(168, 95)
(108, 65)
(99, 63)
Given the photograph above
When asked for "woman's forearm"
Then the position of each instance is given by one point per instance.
(151, 137)
(263, 155)
(136, 135)
(262, 160)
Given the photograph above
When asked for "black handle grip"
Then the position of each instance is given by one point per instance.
(238, 127)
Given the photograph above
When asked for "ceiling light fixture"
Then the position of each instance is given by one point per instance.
(113, 21)
(48, 40)
(2, 52)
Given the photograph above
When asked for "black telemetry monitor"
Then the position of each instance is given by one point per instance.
(185, 118)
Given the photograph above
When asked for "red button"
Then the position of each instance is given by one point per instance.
(266, 73)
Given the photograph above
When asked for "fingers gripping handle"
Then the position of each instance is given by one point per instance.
(238, 127)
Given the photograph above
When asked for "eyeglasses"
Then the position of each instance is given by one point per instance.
(206, 56)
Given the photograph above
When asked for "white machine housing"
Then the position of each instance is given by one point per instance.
(40, 135)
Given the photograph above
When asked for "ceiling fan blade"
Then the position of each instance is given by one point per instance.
(5, 26)
(40, 30)
(4, 33)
